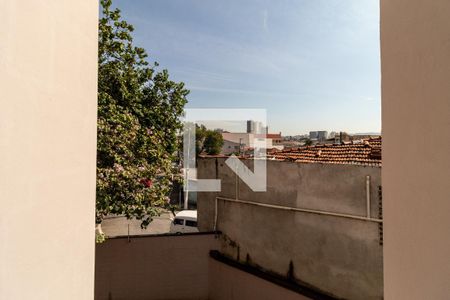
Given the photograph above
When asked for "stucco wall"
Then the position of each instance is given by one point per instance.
(228, 283)
(415, 58)
(175, 267)
(154, 267)
(48, 84)
(340, 256)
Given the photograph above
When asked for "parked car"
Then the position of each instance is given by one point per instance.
(184, 222)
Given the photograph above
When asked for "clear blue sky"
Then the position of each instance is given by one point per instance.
(313, 64)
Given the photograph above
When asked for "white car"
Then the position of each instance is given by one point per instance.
(184, 222)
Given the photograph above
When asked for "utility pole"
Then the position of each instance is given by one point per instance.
(186, 170)
(240, 146)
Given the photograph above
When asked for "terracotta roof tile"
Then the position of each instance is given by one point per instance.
(367, 153)
(269, 135)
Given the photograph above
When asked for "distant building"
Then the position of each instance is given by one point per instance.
(313, 135)
(364, 136)
(238, 142)
(256, 127)
(318, 135)
(230, 147)
(276, 138)
(251, 126)
(297, 137)
(288, 144)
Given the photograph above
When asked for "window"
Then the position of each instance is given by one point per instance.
(191, 223)
(178, 221)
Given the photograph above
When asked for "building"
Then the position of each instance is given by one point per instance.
(318, 135)
(230, 147)
(276, 138)
(288, 144)
(239, 142)
(313, 135)
(256, 127)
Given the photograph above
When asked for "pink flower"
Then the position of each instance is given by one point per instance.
(118, 168)
(146, 182)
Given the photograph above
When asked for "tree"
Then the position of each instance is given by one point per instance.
(209, 141)
(308, 142)
(139, 111)
(200, 136)
(213, 142)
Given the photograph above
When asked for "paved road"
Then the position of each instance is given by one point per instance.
(115, 226)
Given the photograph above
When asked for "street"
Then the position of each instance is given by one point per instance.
(120, 226)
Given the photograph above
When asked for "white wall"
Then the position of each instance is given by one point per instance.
(415, 57)
(244, 139)
(240, 138)
(48, 84)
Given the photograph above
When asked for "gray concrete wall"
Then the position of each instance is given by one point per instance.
(340, 256)
(154, 267)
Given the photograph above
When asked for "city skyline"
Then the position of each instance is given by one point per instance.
(241, 127)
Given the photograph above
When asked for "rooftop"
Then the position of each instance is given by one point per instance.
(269, 135)
(365, 152)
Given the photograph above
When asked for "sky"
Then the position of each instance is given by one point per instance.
(313, 64)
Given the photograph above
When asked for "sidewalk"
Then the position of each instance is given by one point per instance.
(120, 226)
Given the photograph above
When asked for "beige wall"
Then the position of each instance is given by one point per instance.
(48, 84)
(154, 267)
(415, 56)
(228, 283)
(175, 267)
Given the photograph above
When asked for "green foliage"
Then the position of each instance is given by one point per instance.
(208, 141)
(200, 135)
(138, 124)
(308, 142)
(100, 238)
(213, 142)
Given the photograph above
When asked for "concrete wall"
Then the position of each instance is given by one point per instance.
(154, 267)
(415, 58)
(48, 84)
(175, 267)
(340, 256)
(228, 283)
